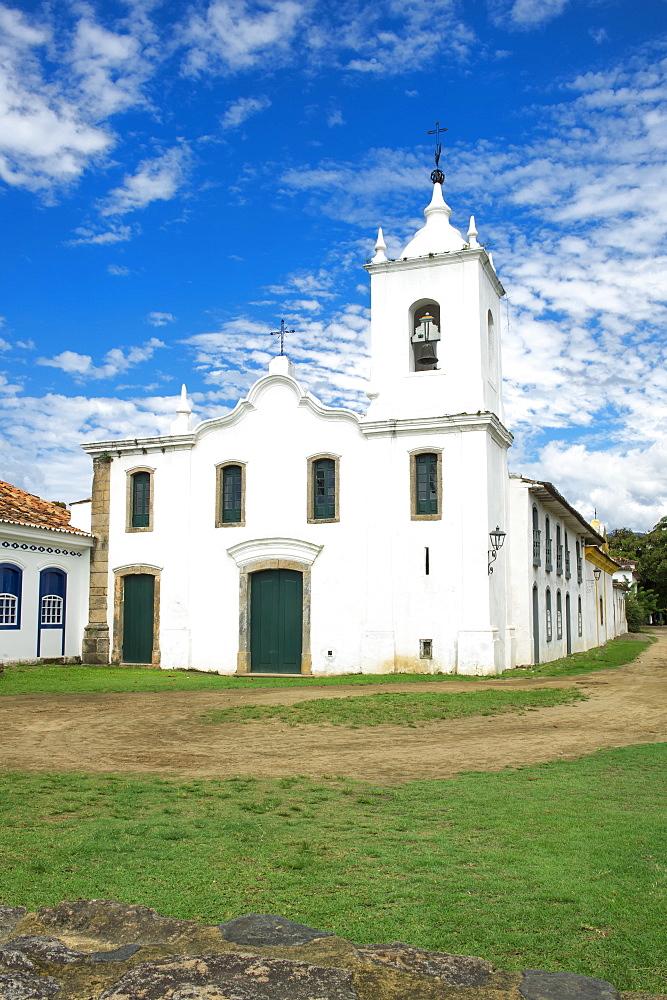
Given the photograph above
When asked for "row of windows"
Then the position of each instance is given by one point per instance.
(323, 492)
(559, 616)
(562, 551)
(52, 593)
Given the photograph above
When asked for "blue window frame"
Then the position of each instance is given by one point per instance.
(11, 580)
(52, 598)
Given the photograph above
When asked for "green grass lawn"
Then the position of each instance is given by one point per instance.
(86, 679)
(558, 865)
(614, 654)
(398, 708)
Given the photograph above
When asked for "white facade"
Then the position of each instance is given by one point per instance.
(389, 559)
(44, 625)
(559, 605)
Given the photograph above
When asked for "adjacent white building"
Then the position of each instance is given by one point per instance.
(289, 536)
(44, 578)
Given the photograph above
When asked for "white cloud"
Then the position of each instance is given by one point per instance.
(627, 486)
(42, 435)
(234, 34)
(335, 118)
(239, 111)
(61, 77)
(527, 14)
(109, 68)
(5, 345)
(157, 179)
(599, 35)
(160, 319)
(332, 355)
(386, 38)
(113, 234)
(118, 270)
(45, 139)
(115, 361)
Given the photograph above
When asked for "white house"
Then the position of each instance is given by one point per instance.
(44, 578)
(288, 536)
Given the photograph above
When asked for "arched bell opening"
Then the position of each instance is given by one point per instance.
(424, 335)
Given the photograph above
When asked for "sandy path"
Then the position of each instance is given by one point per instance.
(162, 733)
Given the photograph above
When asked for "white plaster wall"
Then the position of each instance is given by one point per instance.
(452, 605)
(462, 286)
(371, 599)
(21, 644)
(525, 576)
(199, 579)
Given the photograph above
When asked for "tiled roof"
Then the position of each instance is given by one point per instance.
(24, 508)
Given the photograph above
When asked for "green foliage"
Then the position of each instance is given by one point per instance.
(398, 709)
(634, 613)
(625, 543)
(551, 866)
(650, 551)
(653, 562)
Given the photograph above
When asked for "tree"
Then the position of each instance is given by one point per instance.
(639, 605)
(624, 543)
(653, 561)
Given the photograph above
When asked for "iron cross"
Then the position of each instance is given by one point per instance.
(438, 145)
(281, 333)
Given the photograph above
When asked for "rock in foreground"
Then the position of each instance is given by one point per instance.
(103, 950)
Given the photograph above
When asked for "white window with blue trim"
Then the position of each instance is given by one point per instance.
(11, 579)
(52, 607)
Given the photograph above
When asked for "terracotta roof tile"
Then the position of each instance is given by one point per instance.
(25, 508)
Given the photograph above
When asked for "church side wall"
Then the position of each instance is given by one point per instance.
(499, 579)
(519, 541)
(596, 625)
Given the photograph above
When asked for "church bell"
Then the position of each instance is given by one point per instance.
(425, 355)
(423, 340)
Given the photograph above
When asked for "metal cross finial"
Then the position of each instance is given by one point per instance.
(438, 145)
(281, 333)
(437, 175)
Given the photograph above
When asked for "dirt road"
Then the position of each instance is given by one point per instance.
(163, 733)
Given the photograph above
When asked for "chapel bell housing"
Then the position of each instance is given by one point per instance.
(362, 542)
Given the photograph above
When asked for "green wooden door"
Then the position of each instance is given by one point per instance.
(138, 616)
(276, 621)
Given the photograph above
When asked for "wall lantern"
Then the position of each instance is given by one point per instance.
(597, 573)
(497, 539)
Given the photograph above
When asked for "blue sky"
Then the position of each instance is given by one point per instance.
(175, 179)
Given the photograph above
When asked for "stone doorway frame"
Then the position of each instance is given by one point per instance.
(273, 553)
(118, 608)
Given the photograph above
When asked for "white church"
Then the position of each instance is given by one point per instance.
(388, 541)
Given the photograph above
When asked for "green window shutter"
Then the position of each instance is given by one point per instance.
(324, 488)
(231, 494)
(427, 484)
(141, 499)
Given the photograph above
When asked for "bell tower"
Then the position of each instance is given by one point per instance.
(435, 323)
(436, 419)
